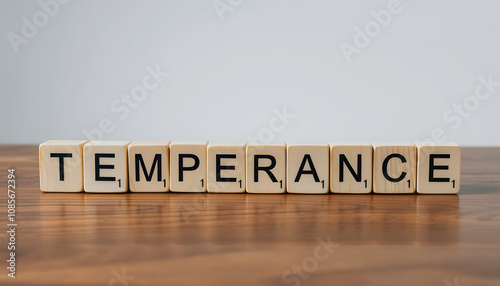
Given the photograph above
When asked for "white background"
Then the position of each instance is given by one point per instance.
(229, 71)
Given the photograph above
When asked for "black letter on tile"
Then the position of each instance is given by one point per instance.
(98, 166)
(343, 160)
(218, 167)
(433, 167)
(384, 168)
(181, 164)
(257, 168)
(156, 160)
(61, 157)
(307, 158)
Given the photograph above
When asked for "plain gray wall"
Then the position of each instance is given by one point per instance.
(234, 65)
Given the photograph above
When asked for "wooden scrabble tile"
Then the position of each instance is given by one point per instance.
(188, 166)
(226, 167)
(266, 168)
(105, 166)
(438, 168)
(148, 166)
(351, 168)
(61, 166)
(394, 168)
(307, 168)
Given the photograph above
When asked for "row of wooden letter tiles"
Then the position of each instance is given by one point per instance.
(159, 166)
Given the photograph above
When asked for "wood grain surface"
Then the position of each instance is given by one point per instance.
(254, 239)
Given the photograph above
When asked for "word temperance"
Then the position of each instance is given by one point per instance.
(157, 166)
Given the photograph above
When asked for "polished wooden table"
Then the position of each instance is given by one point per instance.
(249, 239)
